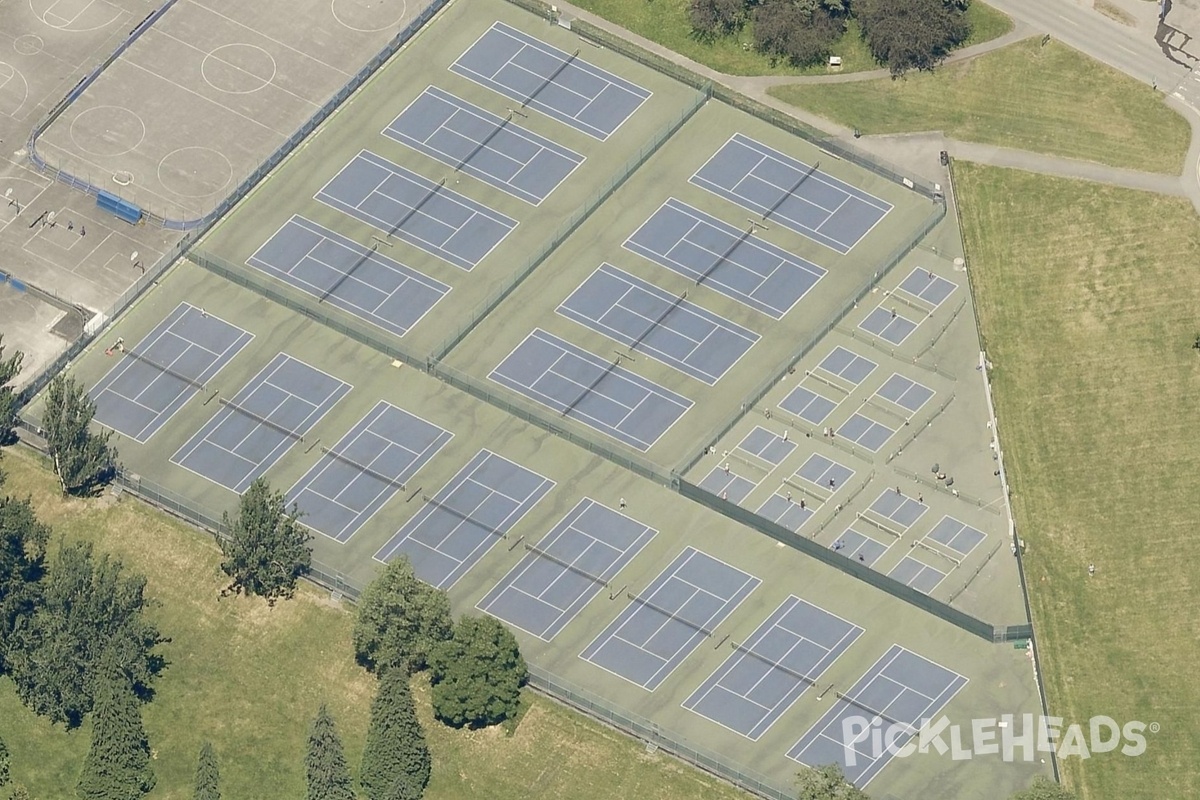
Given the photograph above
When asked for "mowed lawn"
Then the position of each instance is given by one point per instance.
(1050, 99)
(250, 678)
(666, 22)
(1089, 301)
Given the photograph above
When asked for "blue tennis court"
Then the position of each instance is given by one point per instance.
(422, 212)
(808, 404)
(650, 320)
(464, 520)
(823, 473)
(661, 626)
(559, 84)
(785, 510)
(920, 576)
(264, 420)
(156, 377)
(560, 575)
(958, 536)
(864, 431)
(730, 260)
(899, 509)
(347, 275)
(770, 447)
(585, 387)
(888, 324)
(901, 685)
(769, 671)
(727, 484)
(494, 149)
(860, 547)
(905, 393)
(923, 284)
(847, 365)
(796, 195)
(364, 469)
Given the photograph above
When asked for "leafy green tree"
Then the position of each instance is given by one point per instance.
(1043, 788)
(89, 609)
(711, 18)
(400, 619)
(82, 459)
(9, 367)
(477, 675)
(800, 33)
(208, 777)
(826, 783)
(22, 566)
(325, 762)
(396, 763)
(267, 551)
(20, 793)
(911, 34)
(5, 764)
(117, 766)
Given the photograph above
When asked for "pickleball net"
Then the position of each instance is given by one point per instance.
(261, 420)
(136, 356)
(874, 712)
(671, 614)
(792, 191)
(537, 551)
(363, 468)
(465, 517)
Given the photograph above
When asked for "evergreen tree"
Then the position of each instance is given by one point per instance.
(5, 764)
(478, 674)
(400, 619)
(325, 762)
(267, 550)
(208, 777)
(81, 458)
(117, 766)
(396, 763)
(22, 566)
(9, 367)
(89, 608)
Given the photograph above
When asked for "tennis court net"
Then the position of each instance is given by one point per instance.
(795, 187)
(558, 71)
(379, 476)
(345, 276)
(416, 207)
(467, 518)
(658, 320)
(800, 676)
(261, 420)
(591, 386)
(672, 615)
(873, 712)
(537, 551)
(195, 384)
(721, 259)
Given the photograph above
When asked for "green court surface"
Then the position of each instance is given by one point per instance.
(858, 292)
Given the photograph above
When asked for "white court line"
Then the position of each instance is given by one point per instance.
(257, 32)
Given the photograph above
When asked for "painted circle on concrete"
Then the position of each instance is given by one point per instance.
(29, 44)
(369, 16)
(238, 68)
(107, 131)
(194, 171)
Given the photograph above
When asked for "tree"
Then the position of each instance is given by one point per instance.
(477, 675)
(20, 793)
(82, 459)
(826, 783)
(267, 550)
(1043, 788)
(802, 33)
(911, 34)
(89, 609)
(117, 766)
(208, 777)
(9, 367)
(5, 764)
(400, 619)
(22, 566)
(396, 763)
(325, 762)
(711, 18)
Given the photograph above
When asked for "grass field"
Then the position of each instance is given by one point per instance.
(666, 22)
(249, 678)
(1050, 99)
(1087, 298)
